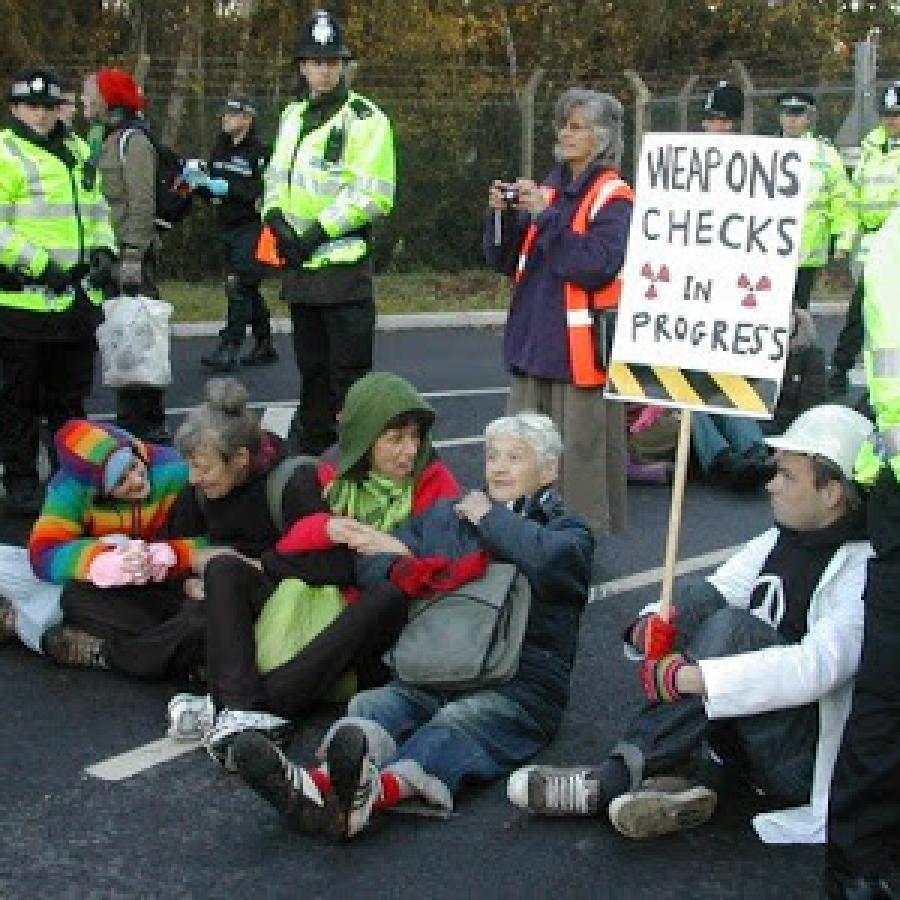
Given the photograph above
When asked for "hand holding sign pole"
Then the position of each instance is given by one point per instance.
(703, 323)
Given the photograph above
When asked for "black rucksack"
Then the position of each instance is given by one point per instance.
(172, 203)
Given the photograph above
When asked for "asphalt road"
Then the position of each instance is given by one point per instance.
(184, 828)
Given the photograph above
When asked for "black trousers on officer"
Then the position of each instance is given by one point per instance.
(333, 349)
(864, 812)
(140, 408)
(40, 379)
(806, 279)
(850, 340)
(243, 276)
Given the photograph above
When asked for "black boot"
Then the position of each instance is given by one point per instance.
(224, 358)
(262, 354)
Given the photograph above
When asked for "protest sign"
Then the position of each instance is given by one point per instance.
(704, 317)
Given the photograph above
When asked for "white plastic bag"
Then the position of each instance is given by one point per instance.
(134, 341)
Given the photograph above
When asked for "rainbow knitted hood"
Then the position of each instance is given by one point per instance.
(85, 447)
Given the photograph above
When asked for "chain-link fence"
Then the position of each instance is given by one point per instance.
(455, 131)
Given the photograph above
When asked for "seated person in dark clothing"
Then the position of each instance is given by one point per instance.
(407, 740)
(752, 679)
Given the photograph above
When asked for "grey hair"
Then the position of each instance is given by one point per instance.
(538, 430)
(222, 423)
(606, 117)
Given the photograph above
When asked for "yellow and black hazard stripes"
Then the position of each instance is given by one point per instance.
(692, 389)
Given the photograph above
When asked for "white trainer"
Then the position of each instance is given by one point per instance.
(191, 717)
(232, 722)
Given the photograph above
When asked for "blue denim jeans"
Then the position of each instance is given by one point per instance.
(774, 751)
(711, 434)
(454, 737)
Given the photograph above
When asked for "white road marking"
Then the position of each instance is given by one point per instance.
(653, 576)
(133, 762)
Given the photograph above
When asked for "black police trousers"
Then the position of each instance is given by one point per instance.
(864, 810)
(40, 379)
(850, 339)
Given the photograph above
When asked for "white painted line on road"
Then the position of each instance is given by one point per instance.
(132, 762)
(292, 404)
(653, 576)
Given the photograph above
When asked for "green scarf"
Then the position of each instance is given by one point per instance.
(376, 501)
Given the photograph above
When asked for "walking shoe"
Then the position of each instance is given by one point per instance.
(262, 354)
(191, 717)
(550, 791)
(229, 723)
(7, 620)
(842, 888)
(264, 768)
(70, 646)
(354, 777)
(224, 358)
(661, 806)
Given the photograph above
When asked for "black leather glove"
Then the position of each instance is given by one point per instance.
(285, 238)
(311, 238)
(101, 273)
(131, 270)
(56, 278)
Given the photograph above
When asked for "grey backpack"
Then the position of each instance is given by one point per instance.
(468, 638)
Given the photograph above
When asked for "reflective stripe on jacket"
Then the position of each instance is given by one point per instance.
(47, 212)
(877, 179)
(341, 175)
(830, 210)
(881, 274)
(608, 186)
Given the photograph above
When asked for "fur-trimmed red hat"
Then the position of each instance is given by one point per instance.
(119, 89)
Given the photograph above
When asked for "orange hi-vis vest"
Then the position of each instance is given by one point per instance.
(608, 186)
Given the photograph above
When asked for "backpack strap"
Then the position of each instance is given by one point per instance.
(276, 481)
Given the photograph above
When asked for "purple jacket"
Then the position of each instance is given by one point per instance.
(535, 342)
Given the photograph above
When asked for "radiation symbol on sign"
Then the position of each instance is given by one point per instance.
(662, 275)
(763, 283)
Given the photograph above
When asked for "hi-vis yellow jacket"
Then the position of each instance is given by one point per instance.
(47, 212)
(341, 175)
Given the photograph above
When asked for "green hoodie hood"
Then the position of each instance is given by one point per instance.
(368, 407)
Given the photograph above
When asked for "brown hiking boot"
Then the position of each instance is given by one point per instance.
(70, 646)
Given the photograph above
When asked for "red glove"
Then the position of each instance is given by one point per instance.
(659, 678)
(659, 636)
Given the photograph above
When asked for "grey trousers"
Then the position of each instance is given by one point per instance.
(774, 752)
(592, 468)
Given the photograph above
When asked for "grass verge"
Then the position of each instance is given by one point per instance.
(201, 301)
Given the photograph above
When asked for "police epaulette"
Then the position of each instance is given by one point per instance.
(361, 107)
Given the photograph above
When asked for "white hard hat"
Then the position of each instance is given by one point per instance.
(834, 432)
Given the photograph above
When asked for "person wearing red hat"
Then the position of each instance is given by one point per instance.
(126, 158)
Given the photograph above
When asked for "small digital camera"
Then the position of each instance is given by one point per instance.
(509, 193)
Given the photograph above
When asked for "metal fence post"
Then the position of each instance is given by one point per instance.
(863, 116)
(641, 110)
(684, 96)
(748, 89)
(526, 111)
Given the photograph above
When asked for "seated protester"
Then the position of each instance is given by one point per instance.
(731, 450)
(102, 537)
(752, 679)
(402, 741)
(805, 382)
(385, 471)
(651, 441)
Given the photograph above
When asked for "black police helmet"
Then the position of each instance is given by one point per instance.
(890, 100)
(795, 102)
(725, 101)
(322, 38)
(36, 86)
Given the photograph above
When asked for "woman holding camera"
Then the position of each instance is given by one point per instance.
(563, 242)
